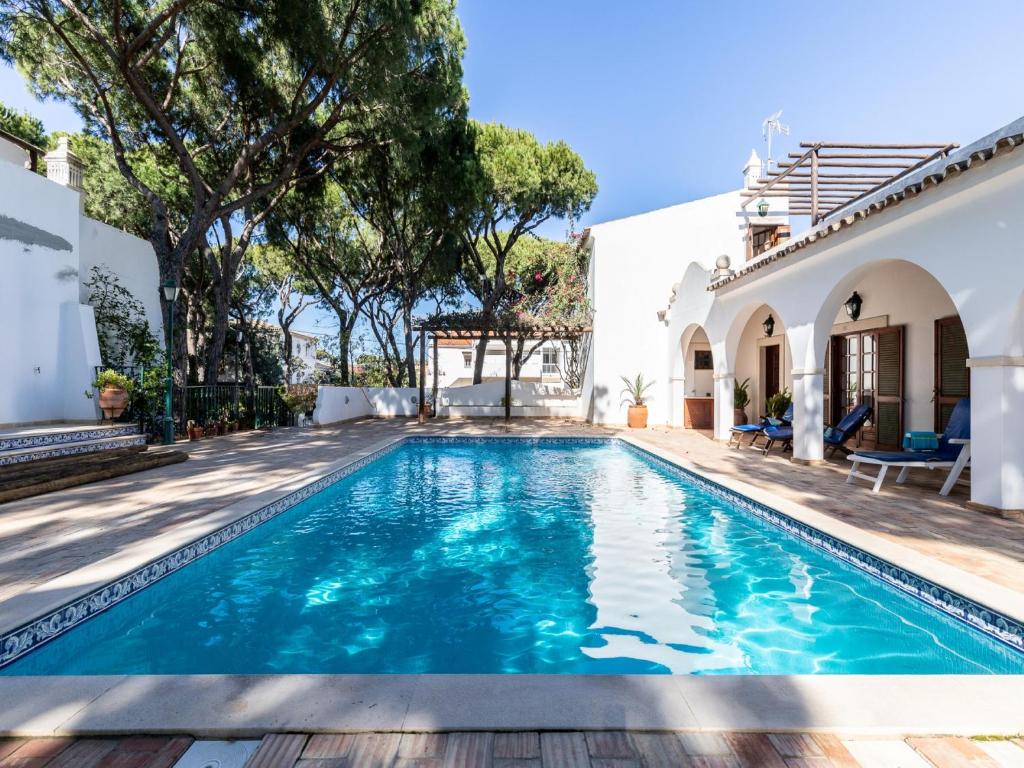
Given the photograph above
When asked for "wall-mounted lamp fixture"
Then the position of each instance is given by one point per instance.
(769, 326)
(762, 208)
(853, 305)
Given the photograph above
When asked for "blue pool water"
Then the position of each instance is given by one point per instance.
(518, 558)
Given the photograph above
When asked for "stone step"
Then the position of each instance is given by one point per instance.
(70, 448)
(42, 437)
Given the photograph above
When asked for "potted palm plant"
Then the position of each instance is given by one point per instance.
(776, 405)
(636, 391)
(114, 389)
(740, 401)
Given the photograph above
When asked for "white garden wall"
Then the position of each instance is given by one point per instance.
(128, 257)
(49, 345)
(336, 404)
(39, 261)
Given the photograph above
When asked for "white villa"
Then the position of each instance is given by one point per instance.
(932, 259)
(456, 357)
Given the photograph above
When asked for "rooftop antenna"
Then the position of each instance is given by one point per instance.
(773, 125)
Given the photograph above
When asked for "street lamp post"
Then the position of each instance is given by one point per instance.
(170, 290)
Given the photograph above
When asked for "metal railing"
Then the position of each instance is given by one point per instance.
(256, 406)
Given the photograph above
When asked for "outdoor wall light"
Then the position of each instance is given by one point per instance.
(853, 305)
(171, 291)
(762, 208)
(769, 326)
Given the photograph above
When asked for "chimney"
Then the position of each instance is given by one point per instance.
(752, 170)
(65, 167)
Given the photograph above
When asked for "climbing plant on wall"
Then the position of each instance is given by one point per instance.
(121, 325)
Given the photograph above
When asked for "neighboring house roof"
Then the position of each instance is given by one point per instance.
(455, 342)
(999, 142)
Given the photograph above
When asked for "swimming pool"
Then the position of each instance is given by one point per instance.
(519, 556)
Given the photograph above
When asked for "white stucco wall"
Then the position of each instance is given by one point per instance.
(334, 404)
(46, 251)
(37, 280)
(12, 153)
(127, 256)
(635, 263)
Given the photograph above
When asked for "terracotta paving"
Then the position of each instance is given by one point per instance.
(596, 749)
(47, 536)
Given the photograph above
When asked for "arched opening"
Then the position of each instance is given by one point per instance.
(762, 362)
(889, 335)
(697, 372)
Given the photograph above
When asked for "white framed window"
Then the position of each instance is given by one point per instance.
(467, 359)
(549, 365)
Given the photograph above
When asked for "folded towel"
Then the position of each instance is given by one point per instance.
(920, 441)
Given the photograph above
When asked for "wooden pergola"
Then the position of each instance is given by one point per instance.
(854, 171)
(476, 326)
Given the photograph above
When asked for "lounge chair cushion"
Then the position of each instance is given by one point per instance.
(779, 433)
(747, 428)
(900, 456)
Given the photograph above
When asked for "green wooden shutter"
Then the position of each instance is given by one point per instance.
(889, 389)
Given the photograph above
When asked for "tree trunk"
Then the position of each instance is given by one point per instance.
(410, 360)
(219, 331)
(478, 364)
(517, 358)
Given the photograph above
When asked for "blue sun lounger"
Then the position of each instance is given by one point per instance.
(836, 437)
(953, 452)
(737, 433)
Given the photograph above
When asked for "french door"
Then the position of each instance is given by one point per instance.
(952, 377)
(867, 367)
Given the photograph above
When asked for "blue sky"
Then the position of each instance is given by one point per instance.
(664, 99)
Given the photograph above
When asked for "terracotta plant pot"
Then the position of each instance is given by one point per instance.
(113, 401)
(637, 417)
(195, 433)
(739, 416)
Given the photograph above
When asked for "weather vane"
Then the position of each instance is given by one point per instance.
(773, 125)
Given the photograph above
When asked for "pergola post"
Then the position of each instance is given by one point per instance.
(508, 378)
(434, 337)
(423, 375)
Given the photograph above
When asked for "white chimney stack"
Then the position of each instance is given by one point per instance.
(752, 170)
(65, 167)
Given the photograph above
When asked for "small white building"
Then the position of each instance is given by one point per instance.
(935, 257)
(456, 358)
(47, 250)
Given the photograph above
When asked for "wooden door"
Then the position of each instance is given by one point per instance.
(952, 377)
(771, 371)
(867, 367)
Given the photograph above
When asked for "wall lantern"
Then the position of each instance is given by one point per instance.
(853, 305)
(762, 208)
(171, 291)
(769, 326)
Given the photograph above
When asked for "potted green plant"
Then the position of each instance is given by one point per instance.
(115, 389)
(776, 405)
(636, 391)
(740, 401)
(211, 427)
(195, 432)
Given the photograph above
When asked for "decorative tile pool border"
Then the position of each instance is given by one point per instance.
(65, 436)
(17, 642)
